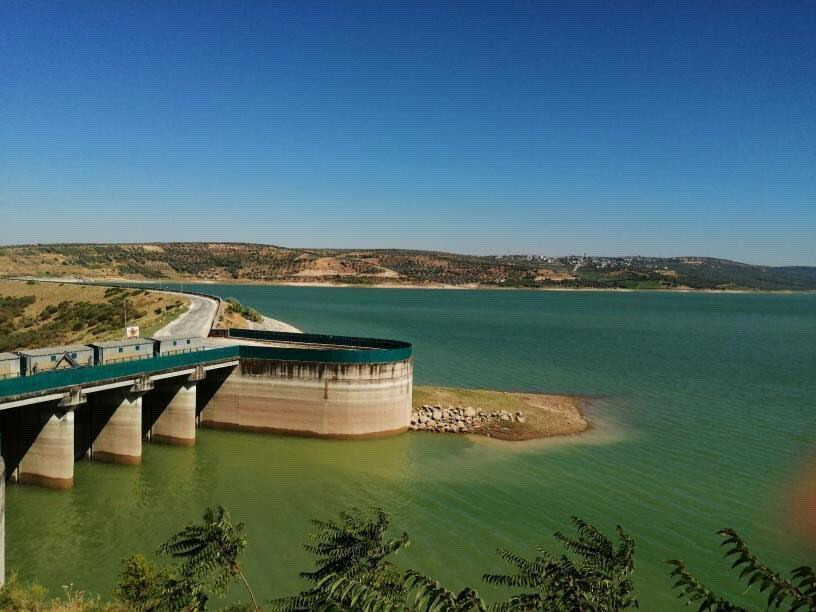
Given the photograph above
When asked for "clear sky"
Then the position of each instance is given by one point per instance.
(609, 127)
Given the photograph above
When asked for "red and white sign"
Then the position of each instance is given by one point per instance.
(132, 332)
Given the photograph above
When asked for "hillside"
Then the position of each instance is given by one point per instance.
(239, 262)
(34, 315)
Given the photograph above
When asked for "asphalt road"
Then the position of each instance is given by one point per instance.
(196, 322)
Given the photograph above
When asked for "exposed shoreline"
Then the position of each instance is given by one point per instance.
(477, 287)
(276, 325)
(393, 285)
(502, 415)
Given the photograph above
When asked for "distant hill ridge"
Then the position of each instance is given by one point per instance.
(229, 261)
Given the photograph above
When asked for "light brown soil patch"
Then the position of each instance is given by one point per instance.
(232, 320)
(327, 266)
(545, 415)
(548, 274)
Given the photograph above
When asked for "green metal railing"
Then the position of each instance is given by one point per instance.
(62, 379)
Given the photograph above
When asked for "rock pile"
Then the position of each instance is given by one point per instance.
(460, 419)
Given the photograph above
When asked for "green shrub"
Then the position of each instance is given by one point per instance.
(249, 313)
(142, 585)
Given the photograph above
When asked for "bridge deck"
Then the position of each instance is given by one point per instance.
(251, 344)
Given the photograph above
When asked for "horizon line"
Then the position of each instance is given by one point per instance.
(403, 249)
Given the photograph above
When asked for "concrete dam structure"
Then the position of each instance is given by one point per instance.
(325, 386)
(302, 384)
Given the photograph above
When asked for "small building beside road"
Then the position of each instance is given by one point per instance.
(174, 346)
(115, 351)
(35, 361)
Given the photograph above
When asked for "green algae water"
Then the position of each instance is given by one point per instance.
(703, 417)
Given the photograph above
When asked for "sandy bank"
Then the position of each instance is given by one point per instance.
(269, 324)
(498, 414)
(411, 285)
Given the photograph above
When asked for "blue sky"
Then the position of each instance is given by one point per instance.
(658, 128)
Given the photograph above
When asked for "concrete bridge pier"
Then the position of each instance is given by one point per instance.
(120, 439)
(49, 462)
(2, 522)
(177, 422)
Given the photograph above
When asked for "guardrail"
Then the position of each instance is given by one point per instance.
(63, 379)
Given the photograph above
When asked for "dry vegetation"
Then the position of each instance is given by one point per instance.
(546, 415)
(46, 314)
(231, 320)
(267, 263)
(235, 315)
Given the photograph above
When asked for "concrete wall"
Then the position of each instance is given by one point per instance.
(49, 461)
(327, 400)
(2, 522)
(120, 440)
(171, 410)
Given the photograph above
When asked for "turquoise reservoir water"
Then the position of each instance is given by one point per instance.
(703, 413)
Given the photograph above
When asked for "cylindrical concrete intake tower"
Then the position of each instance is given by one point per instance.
(314, 385)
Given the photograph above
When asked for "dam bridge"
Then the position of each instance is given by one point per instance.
(302, 384)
